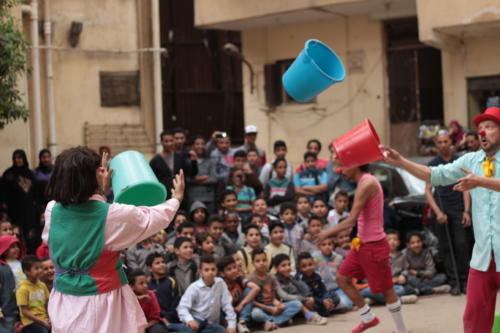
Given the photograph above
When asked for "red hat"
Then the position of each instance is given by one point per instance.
(492, 113)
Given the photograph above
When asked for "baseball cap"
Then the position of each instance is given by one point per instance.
(250, 129)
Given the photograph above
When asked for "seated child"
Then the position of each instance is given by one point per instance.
(48, 272)
(320, 209)
(314, 227)
(343, 243)
(147, 299)
(165, 288)
(180, 217)
(228, 201)
(292, 289)
(327, 266)
(420, 269)
(184, 268)
(215, 228)
(32, 297)
(6, 228)
(245, 194)
(253, 239)
(341, 203)
(199, 214)
(185, 229)
(242, 291)
(260, 208)
(259, 221)
(232, 237)
(276, 246)
(267, 308)
(324, 302)
(293, 232)
(160, 238)
(200, 306)
(205, 244)
(397, 260)
(8, 307)
(303, 209)
(11, 247)
(137, 254)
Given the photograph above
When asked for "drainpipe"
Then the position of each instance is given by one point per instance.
(49, 78)
(32, 10)
(157, 88)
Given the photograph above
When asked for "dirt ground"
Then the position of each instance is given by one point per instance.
(431, 314)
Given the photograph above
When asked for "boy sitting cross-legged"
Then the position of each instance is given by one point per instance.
(200, 306)
(292, 289)
(327, 265)
(324, 302)
(242, 291)
(267, 308)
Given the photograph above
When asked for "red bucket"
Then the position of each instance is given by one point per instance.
(359, 146)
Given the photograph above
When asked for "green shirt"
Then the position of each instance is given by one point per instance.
(485, 206)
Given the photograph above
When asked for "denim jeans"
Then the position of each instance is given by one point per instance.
(246, 312)
(291, 309)
(379, 298)
(204, 327)
(426, 287)
(178, 327)
(345, 302)
(7, 325)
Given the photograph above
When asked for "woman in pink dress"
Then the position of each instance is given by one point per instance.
(85, 236)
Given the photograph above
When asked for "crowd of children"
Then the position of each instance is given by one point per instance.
(250, 260)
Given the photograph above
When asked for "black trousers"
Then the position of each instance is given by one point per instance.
(461, 239)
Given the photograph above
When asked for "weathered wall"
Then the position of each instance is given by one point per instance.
(337, 109)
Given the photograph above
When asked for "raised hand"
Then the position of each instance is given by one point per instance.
(104, 174)
(179, 186)
(391, 156)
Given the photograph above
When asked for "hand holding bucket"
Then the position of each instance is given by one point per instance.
(359, 146)
(315, 69)
(134, 182)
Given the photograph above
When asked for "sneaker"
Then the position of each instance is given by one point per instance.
(369, 301)
(316, 319)
(409, 299)
(363, 326)
(455, 291)
(445, 288)
(268, 326)
(242, 327)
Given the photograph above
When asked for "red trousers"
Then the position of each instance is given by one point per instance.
(482, 288)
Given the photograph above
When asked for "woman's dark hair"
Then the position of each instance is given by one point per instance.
(279, 159)
(132, 276)
(74, 178)
(316, 141)
(21, 153)
(44, 168)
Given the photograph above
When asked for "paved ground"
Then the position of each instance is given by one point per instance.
(431, 314)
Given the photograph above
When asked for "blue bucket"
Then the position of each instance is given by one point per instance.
(316, 68)
(134, 182)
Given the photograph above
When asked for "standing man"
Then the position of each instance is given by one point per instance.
(250, 138)
(369, 256)
(484, 274)
(452, 211)
(222, 157)
(472, 142)
(168, 163)
(180, 142)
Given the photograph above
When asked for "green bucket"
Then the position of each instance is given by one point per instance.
(134, 182)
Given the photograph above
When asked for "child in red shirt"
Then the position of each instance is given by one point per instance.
(148, 301)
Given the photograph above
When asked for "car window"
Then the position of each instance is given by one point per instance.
(414, 185)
